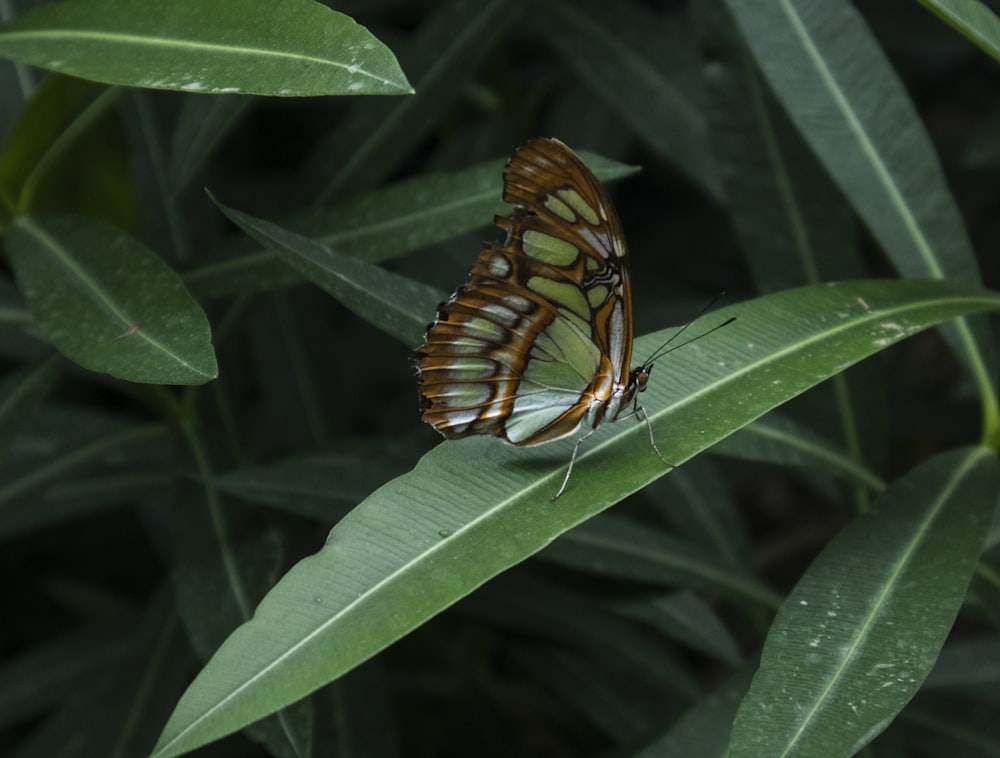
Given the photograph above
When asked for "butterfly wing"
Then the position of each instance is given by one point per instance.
(540, 338)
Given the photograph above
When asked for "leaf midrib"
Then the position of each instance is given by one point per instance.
(155, 42)
(428, 554)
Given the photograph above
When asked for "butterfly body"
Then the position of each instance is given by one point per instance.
(536, 346)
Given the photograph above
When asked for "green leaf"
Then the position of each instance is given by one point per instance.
(323, 487)
(686, 618)
(40, 473)
(202, 125)
(21, 393)
(646, 69)
(536, 609)
(32, 681)
(384, 299)
(984, 593)
(793, 225)
(472, 508)
(612, 546)
(118, 712)
(858, 634)
(363, 714)
(839, 89)
(108, 303)
(779, 440)
(704, 730)
(441, 56)
(67, 152)
(622, 713)
(76, 496)
(297, 48)
(828, 71)
(973, 19)
(224, 563)
(695, 500)
(384, 224)
(948, 725)
(967, 662)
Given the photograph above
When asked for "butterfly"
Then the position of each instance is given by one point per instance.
(537, 345)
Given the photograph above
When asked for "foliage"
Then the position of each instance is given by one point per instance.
(222, 518)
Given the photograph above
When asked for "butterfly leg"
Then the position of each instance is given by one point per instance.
(569, 469)
(640, 413)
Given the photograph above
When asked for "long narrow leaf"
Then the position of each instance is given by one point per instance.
(779, 440)
(383, 224)
(614, 546)
(67, 142)
(861, 630)
(643, 65)
(793, 224)
(22, 393)
(474, 507)
(696, 502)
(703, 730)
(441, 57)
(973, 19)
(837, 85)
(384, 299)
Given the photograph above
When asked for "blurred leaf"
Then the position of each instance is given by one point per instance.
(108, 303)
(361, 719)
(616, 713)
(472, 508)
(384, 224)
(67, 152)
(984, 591)
(18, 338)
(395, 304)
(613, 546)
(72, 497)
(47, 674)
(794, 226)
(704, 729)
(21, 393)
(779, 440)
(982, 150)
(858, 634)
(539, 610)
(839, 89)
(695, 500)
(52, 452)
(950, 726)
(684, 617)
(297, 48)
(441, 56)
(323, 486)
(226, 561)
(202, 125)
(645, 68)
(118, 714)
(965, 663)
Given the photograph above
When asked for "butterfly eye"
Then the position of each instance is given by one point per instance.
(641, 376)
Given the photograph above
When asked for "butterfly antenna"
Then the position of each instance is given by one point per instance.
(664, 348)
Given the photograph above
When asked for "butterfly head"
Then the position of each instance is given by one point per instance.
(638, 378)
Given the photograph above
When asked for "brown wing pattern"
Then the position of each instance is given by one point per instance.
(538, 171)
(560, 271)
